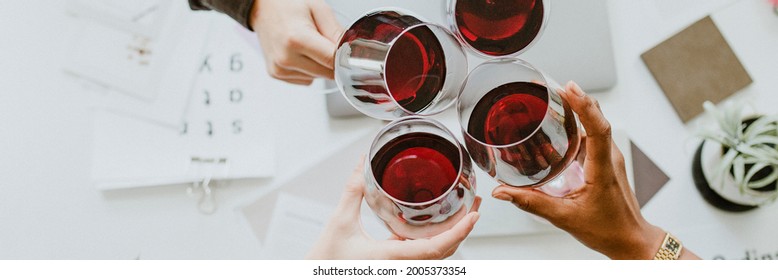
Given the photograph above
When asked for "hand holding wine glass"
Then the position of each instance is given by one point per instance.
(344, 237)
(297, 37)
(603, 214)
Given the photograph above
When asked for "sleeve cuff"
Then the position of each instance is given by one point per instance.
(239, 10)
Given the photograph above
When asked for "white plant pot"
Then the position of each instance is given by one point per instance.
(708, 157)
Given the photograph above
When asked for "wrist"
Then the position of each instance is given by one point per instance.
(642, 244)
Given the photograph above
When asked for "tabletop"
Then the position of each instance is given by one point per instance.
(51, 210)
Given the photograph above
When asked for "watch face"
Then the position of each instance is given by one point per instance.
(672, 245)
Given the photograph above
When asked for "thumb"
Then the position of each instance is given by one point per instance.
(351, 200)
(530, 200)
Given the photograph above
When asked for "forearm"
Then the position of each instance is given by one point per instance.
(688, 255)
(239, 10)
(642, 243)
(638, 243)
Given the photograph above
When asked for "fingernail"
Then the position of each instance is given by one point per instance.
(503, 196)
(475, 217)
(577, 89)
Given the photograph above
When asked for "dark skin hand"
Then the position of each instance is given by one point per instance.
(604, 213)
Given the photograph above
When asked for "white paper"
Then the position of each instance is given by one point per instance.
(139, 16)
(294, 227)
(297, 222)
(142, 68)
(226, 117)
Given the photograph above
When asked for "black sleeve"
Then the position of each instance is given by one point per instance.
(239, 10)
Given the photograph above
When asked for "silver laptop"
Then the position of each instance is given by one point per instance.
(576, 44)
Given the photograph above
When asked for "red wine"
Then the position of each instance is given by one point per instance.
(415, 65)
(415, 69)
(499, 27)
(509, 113)
(512, 114)
(416, 167)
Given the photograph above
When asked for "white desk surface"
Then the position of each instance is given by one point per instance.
(51, 211)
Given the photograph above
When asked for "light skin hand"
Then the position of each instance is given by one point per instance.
(604, 213)
(344, 237)
(298, 38)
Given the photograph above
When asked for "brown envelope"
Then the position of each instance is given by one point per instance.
(696, 65)
(649, 178)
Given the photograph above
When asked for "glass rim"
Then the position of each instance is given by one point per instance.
(431, 26)
(423, 22)
(460, 150)
(512, 60)
(450, 17)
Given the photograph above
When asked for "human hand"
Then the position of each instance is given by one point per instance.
(344, 237)
(604, 213)
(298, 38)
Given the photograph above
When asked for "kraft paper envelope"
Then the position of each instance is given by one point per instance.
(696, 65)
(649, 178)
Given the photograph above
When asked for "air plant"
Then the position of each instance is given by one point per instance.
(750, 146)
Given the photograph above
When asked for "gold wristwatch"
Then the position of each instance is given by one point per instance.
(670, 249)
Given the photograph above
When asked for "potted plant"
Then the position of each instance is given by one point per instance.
(736, 166)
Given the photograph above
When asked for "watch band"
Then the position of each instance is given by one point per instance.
(670, 249)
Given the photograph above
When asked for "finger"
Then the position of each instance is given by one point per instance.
(284, 74)
(305, 65)
(620, 171)
(318, 48)
(474, 208)
(356, 183)
(581, 157)
(438, 246)
(351, 200)
(452, 237)
(531, 200)
(476, 204)
(395, 237)
(538, 156)
(301, 82)
(598, 130)
(326, 21)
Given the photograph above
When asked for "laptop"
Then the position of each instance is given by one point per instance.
(576, 44)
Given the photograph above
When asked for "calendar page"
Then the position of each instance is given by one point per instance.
(226, 132)
(228, 112)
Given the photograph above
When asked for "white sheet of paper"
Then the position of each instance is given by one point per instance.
(294, 226)
(226, 117)
(139, 74)
(128, 152)
(297, 222)
(139, 16)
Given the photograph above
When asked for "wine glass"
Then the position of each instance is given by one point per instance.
(390, 64)
(518, 129)
(418, 178)
(498, 28)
